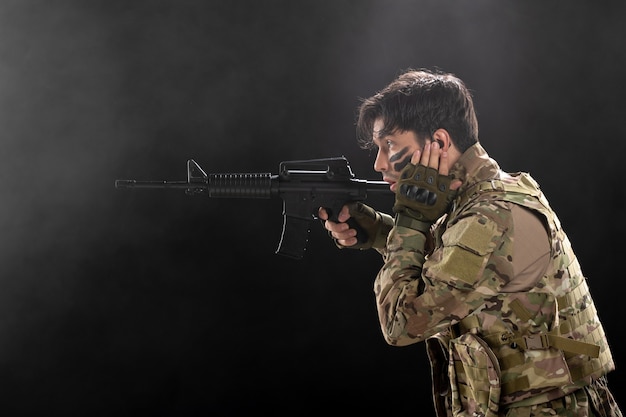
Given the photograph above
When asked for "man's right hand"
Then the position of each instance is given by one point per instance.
(373, 227)
(339, 231)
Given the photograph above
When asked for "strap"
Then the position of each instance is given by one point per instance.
(547, 340)
(533, 341)
(520, 311)
(411, 223)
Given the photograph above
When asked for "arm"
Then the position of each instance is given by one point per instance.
(418, 297)
(374, 225)
(404, 311)
(423, 194)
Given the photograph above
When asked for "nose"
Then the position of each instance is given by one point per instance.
(381, 163)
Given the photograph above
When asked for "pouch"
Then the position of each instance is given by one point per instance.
(474, 377)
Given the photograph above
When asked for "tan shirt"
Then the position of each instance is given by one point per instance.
(531, 250)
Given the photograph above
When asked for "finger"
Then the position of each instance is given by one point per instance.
(435, 154)
(344, 234)
(444, 163)
(344, 214)
(425, 160)
(415, 158)
(322, 214)
(455, 184)
(444, 169)
(337, 228)
(348, 242)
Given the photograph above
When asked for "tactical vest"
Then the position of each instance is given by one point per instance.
(528, 347)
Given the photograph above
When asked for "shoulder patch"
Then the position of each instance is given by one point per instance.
(471, 233)
(466, 247)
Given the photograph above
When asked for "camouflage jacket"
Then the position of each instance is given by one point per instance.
(498, 348)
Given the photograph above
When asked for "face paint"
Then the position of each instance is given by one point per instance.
(400, 163)
(396, 156)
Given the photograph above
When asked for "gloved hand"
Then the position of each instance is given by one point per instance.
(372, 226)
(422, 196)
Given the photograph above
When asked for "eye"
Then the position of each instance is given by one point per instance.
(389, 143)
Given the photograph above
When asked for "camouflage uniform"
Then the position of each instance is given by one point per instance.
(530, 352)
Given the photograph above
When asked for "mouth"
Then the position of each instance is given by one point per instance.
(392, 184)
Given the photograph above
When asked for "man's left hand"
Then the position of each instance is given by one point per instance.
(425, 190)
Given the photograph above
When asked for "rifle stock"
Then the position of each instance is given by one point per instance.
(303, 185)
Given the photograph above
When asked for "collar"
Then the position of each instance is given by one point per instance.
(473, 166)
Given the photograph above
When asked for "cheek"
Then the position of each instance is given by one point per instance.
(401, 164)
(400, 159)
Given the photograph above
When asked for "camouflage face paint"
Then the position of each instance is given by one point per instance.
(398, 162)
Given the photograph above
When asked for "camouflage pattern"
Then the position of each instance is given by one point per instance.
(501, 350)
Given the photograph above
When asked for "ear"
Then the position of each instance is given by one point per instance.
(443, 138)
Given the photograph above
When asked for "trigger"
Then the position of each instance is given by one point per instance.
(332, 215)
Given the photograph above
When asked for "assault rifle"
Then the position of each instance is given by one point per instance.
(304, 186)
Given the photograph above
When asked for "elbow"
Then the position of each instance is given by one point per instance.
(399, 341)
(396, 335)
(391, 341)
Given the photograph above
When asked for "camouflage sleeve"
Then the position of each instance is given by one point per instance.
(449, 278)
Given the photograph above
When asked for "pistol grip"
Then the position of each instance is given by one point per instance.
(361, 234)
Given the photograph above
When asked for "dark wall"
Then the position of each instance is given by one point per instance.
(116, 302)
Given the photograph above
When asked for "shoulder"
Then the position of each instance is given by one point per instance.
(489, 209)
(467, 245)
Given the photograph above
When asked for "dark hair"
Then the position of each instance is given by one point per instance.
(421, 101)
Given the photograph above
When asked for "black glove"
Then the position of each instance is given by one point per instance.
(372, 227)
(422, 196)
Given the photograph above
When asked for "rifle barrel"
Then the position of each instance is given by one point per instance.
(151, 184)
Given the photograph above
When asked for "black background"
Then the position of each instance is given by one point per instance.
(152, 302)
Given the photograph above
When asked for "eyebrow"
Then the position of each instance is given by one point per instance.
(384, 132)
(377, 138)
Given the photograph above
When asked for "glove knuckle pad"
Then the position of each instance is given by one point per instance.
(423, 192)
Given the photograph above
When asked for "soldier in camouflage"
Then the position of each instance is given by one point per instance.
(476, 264)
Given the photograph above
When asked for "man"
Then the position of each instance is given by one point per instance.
(476, 263)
